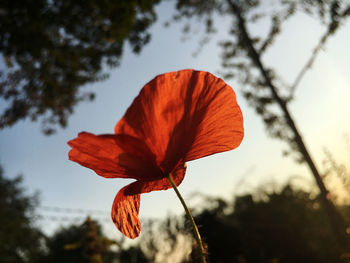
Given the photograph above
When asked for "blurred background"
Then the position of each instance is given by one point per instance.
(72, 66)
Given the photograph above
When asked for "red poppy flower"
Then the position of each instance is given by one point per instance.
(177, 117)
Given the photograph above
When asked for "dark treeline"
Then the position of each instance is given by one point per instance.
(284, 225)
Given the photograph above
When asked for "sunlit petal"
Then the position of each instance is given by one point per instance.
(108, 156)
(184, 115)
(125, 212)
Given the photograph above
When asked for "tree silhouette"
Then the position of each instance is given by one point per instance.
(132, 254)
(20, 240)
(52, 48)
(286, 225)
(80, 243)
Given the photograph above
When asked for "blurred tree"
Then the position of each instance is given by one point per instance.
(20, 240)
(265, 91)
(133, 254)
(51, 48)
(338, 173)
(219, 233)
(166, 240)
(83, 243)
(284, 225)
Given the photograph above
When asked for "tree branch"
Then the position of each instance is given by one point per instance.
(336, 219)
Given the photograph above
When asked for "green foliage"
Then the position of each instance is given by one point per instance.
(52, 48)
(20, 240)
(163, 241)
(279, 226)
(286, 226)
(337, 174)
(132, 254)
(82, 243)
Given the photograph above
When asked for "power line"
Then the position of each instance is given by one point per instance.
(67, 210)
(69, 218)
(68, 214)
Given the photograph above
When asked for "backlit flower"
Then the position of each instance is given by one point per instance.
(177, 117)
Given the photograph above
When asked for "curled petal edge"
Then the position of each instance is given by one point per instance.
(126, 204)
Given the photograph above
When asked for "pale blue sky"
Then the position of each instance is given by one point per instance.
(321, 110)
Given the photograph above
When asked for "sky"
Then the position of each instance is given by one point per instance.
(320, 109)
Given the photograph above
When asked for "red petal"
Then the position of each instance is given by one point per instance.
(125, 212)
(184, 115)
(126, 204)
(114, 156)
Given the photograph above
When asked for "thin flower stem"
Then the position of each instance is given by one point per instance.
(189, 215)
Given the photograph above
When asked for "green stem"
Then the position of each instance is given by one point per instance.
(189, 215)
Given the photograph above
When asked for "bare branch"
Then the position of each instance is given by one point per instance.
(333, 26)
(309, 62)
